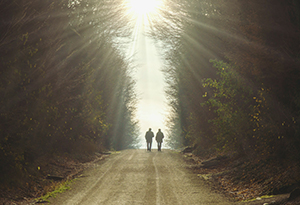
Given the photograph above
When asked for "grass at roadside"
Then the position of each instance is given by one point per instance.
(261, 197)
(54, 189)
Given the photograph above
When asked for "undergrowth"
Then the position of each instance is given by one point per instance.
(54, 189)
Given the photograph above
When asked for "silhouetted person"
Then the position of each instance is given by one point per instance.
(149, 135)
(159, 139)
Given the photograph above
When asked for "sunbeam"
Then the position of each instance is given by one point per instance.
(144, 7)
(151, 109)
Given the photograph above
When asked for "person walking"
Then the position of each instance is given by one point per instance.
(159, 139)
(149, 135)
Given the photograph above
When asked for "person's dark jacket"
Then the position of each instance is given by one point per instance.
(149, 136)
(159, 136)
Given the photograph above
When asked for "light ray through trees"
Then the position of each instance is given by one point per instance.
(151, 109)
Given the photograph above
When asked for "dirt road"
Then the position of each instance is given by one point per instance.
(140, 177)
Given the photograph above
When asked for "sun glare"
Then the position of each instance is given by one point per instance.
(143, 7)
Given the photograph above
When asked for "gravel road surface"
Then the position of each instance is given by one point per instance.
(140, 177)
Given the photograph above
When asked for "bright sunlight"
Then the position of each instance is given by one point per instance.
(151, 109)
(144, 7)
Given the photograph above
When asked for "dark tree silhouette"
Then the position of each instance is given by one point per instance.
(65, 86)
(259, 44)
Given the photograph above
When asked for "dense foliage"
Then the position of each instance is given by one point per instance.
(65, 86)
(245, 100)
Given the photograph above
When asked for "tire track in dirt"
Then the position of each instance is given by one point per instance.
(156, 181)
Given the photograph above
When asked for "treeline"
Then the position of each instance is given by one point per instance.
(233, 75)
(65, 86)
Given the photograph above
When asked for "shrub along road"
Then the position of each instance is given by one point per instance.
(140, 177)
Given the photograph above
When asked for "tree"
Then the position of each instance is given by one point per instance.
(62, 79)
(263, 61)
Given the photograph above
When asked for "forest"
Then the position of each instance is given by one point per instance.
(65, 85)
(233, 77)
(232, 70)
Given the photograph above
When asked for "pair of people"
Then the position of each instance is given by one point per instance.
(159, 139)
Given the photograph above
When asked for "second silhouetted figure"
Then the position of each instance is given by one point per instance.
(159, 139)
